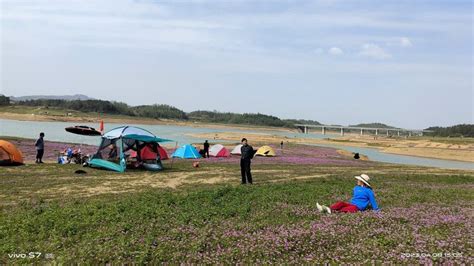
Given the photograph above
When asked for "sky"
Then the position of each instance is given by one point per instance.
(403, 63)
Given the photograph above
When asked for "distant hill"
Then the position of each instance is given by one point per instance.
(248, 118)
(372, 125)
(76, 97)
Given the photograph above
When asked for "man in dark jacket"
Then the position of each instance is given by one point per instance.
(206, 149)
(247, 153)
(39, 145)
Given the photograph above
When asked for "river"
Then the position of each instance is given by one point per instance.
(54, 131)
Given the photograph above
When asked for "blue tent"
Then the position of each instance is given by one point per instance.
(186, 152)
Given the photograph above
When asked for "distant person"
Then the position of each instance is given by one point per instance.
(281, 145)
(202, 153)
(247, 153)
(206, 149)
(362, 198)
(69, 153)
(113, 153)
(39, 145)
(356, 156)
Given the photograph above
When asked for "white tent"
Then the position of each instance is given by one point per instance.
(236, 150)
(218, 151)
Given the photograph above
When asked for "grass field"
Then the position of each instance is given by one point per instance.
(204, 216)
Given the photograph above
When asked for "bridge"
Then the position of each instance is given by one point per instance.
(363, 130)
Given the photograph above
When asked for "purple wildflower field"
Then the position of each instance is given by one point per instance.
(426, 215)
(27, 147)
(392, 235)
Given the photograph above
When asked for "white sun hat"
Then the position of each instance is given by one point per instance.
(364, 178)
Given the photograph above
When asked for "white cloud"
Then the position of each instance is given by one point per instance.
(374, 51)
(405, 42)
(335, 51)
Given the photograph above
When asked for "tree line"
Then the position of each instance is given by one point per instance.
(462, 130)
(160, 111)
(4, 100)
(250, 119)
(372, 125)
(163, 111)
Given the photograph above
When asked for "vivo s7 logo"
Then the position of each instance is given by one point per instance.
(30, 255)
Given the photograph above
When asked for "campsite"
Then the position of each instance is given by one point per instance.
(256, 132)
(135, 215)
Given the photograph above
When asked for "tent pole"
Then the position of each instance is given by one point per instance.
(172, 158)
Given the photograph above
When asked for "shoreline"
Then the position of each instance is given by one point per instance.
(296, 154)
(422, 148)
(459, 155)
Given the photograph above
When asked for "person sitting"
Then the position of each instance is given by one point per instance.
(113, 153)
(363, 197)
(67, 155)
(76, 156)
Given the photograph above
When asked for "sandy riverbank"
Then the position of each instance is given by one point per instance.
(421, 148)
(445, 149)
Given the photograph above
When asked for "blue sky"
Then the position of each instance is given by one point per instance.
(404, 63)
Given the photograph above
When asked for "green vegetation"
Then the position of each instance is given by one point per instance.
(463, 130)
(156, 111)
(250, 119)
(4, 100)
(105, 217)
(373, 125)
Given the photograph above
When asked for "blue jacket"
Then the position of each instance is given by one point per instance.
(364, 196)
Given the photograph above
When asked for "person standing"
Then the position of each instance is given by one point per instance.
(247, 153)
(39, 145)
(281, 145)
(206, 149)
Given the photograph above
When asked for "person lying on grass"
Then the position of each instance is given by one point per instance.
(363, 196)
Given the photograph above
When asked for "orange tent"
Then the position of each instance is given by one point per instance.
(9, 154)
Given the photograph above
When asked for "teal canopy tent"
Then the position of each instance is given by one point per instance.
(116, 142)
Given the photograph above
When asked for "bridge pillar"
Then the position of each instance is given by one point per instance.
(409, 134)
(398, 133)
(376, 132)
(361, 132)
(323, 130)
(342, 131)
(388, 132)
